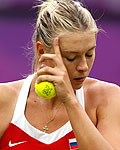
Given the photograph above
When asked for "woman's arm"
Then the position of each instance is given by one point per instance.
(8, 98)
(107, 136)
(4, 107)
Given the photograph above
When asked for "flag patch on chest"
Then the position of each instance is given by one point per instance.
(73, 144)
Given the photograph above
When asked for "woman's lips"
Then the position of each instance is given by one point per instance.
(79, 79)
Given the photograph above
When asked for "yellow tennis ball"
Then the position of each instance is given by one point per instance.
(45, 89)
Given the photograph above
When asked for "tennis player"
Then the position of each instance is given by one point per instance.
(85, 113)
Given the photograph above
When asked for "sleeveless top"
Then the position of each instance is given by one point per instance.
(21, 135)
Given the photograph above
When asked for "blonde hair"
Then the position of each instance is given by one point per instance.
(61, 15)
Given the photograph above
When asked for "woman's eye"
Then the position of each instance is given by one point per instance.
(70, 59)
(89, 55)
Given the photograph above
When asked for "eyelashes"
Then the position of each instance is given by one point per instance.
(89, 55)
(72, 59)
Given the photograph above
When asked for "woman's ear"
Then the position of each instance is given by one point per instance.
(39, 47)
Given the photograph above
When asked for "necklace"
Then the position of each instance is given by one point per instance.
(45, 128)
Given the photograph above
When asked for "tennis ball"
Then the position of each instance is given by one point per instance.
(45, 89)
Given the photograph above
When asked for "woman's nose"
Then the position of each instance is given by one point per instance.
(82, 66)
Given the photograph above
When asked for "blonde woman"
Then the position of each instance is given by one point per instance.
(84, 114)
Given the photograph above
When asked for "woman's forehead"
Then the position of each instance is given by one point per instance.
(76, 41)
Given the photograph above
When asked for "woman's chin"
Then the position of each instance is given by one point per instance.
(77, 87)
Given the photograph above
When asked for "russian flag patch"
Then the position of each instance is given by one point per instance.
(73, 144)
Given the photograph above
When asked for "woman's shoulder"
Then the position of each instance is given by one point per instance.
(100, 92)
(9, 91)
(101, 87)
(8, 97)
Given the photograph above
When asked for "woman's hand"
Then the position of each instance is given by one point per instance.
(58, 75)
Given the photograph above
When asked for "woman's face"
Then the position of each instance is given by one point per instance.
(78, 53)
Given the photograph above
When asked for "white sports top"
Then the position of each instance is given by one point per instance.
(20, 120)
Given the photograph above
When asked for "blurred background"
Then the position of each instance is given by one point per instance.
(17, 19)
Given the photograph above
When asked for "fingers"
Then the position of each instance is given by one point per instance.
(52, 56)
(46, 57)
(57, 58)
(46, 70)
(47, 74)
(47, 78)
(56, 47)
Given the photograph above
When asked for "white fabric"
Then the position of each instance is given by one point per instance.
(20, 120)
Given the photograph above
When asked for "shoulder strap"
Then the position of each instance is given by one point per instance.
(22, 98)
(80, 96)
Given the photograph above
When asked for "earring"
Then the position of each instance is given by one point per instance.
(41, 51)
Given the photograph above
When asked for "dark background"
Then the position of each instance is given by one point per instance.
(17, 19)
